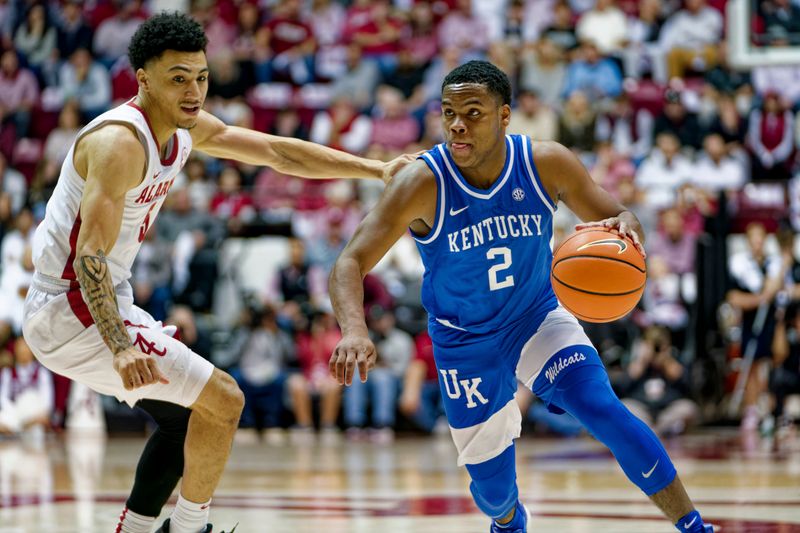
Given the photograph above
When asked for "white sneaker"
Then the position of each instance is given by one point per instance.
(275, 436)
(382, 436)
(330, 435)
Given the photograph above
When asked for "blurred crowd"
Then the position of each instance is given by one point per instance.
(641, 90)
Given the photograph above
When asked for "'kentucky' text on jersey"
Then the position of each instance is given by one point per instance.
(488, 255)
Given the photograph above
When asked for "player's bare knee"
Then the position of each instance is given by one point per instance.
(221, 401)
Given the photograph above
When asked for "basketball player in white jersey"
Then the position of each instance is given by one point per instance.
(79, 315)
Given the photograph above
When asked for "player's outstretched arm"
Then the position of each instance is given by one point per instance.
(112, 160)
(566, 179)
(287, 155)
(409, 197)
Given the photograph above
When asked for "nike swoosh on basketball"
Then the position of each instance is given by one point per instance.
(650, 473)
(614, 242)
(454, 212)
(687, 526)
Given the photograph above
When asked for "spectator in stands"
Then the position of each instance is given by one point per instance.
(296, 280)
(731, 126)
(715, 170)
(342, 127)
(663, 172)
(393, 127)
(231, 203)
(14, 284)
(408, 78)
(610, 168)
(358, 83)
(726, 79)
(326, 19)
(783, 16)
(783, 80)
(605, 25)
(462, 29)
(60, 139)
(662, 303)
(324, 251)
(292, 43)
(578, 122)
(770, 138)
(421, 400)
(151, 275)
(421, 35)
(12, 183)
(595, 75)
(379, 38)
(689, 38)
(19, 93)
(659, 384)
(533, 118)
(114, 34)
(673, 243)
(514, 32)
(542, 69)
(676, 119)
(314, 348)
(397, 349)
(562, 31)
(643, 52)
(195, 179)
(87, 82)
(36, 39)
(195, 236)
(784, 378)
(17, 241)
(26, 394)
(262, 371)
(755, 278)
(73, 31)
(227, 86)
(629, 131)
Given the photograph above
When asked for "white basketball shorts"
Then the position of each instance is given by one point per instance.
(57, 328)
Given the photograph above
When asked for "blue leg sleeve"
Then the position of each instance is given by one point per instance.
(494, 484)
(590, 399)
(574, 380)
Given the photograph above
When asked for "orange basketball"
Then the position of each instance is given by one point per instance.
(598, 276)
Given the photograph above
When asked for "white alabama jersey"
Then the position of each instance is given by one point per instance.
(56, 237)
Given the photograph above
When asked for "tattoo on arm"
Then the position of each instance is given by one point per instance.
(98, 292)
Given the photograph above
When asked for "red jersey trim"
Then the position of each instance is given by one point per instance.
(174, 153)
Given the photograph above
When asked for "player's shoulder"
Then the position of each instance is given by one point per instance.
(547, 153)
(113, 138)
(415, 175)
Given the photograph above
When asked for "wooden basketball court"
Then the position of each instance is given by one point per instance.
(79, 484)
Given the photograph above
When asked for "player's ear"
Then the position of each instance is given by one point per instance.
(142, 79)
(505, 114)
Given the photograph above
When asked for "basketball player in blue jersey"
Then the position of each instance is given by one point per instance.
(480, 207)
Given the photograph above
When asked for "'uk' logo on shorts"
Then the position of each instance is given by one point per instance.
(470, 387)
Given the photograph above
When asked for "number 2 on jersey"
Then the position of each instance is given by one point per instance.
(508, 281)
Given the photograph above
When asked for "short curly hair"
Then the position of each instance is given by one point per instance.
(482, 73)
(162, 32)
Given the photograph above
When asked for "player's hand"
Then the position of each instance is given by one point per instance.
(137, 369)
(352, 350)
(393, 167)
(616, 225)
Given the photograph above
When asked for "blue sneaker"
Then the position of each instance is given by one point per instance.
(519, 524)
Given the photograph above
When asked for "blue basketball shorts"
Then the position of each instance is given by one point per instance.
(478, 376)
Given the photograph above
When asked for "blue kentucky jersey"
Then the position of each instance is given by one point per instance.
(488, 256)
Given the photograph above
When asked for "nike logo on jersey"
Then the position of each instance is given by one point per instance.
(454, 212)
(650, 473)
(690, 524)
(613, 242)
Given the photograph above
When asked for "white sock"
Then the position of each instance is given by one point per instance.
(130, 522)
(188, 517)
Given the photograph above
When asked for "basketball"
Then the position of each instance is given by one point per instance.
(597, 275)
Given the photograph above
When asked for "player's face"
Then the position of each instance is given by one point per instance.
(177, 83)
(474, 123)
